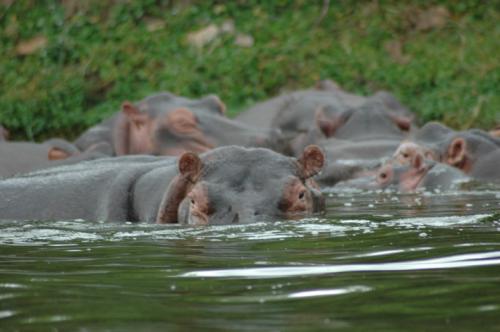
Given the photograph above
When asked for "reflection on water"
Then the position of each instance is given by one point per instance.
(374, 261)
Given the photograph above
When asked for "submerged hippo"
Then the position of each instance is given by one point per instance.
(23, 157)
(356, 139)
(225, 185)
(472, 151)
(166, 124)
(294, 113)
(418, 174)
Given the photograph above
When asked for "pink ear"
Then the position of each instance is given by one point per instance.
(417, 161)
(57, 154)
(324, 124)
(190, 166)
(457, 151)
(134, 115)
(129, 109)
(403, 122)
(328, 121)
(215, 102)
(311, 161)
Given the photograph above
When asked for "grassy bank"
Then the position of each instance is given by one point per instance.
(67, 64)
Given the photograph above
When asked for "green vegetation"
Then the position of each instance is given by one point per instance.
(440, 58)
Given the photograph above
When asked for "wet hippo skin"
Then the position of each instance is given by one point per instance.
(360, 136)
(166, 124)
(225, 185)
(472, 151)
(23, 157)
(418, 174)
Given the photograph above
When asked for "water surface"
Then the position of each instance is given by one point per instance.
(376, 261)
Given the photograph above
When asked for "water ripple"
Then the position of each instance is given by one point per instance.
(450, 262)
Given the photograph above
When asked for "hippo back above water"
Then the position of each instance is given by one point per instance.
(225, 185)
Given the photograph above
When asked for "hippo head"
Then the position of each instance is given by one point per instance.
(370, 120)
(407, 151)
(240, 185)
(164, 124)
(394, 175)
(175, 128)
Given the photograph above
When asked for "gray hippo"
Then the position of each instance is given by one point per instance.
(416, 175)
(294, 113)
(22, 157)
(225, 185)
(354, 140)
(166, 124)
(473, 151)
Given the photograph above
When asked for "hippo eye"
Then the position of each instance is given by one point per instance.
(405, 155)
(192, 201)
(302, 194)
(383, 175)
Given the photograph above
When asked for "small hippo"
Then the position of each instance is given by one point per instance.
(418, 174)
(166, 124)
(23, 157)
(223, 186)
(472, 151)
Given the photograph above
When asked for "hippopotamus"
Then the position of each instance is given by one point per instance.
(166, 124)
(354, 140)
(416, 175)
(472, 151)
(4, 134)
(226, 185)
(294, 113)
(23, 157)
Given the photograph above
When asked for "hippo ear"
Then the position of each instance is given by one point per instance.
(403, 122)
(457, 151)
(130, 131)
(328, 119)
(311, 161)
(55, 153)
(190, 167)
(214, 103)
(134, 115)
(417, 161)
(327, 85)
(182, 121)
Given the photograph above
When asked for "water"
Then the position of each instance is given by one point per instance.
(374, 262)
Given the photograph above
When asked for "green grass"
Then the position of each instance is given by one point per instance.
(100, 53)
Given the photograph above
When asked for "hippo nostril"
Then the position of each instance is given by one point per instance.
(256, 213)
(235, 219)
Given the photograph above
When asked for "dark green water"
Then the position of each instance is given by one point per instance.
(374, 262)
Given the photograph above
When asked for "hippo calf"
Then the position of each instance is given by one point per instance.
(414, 175)
(23, 157)
(472, 151)
(222, 186)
